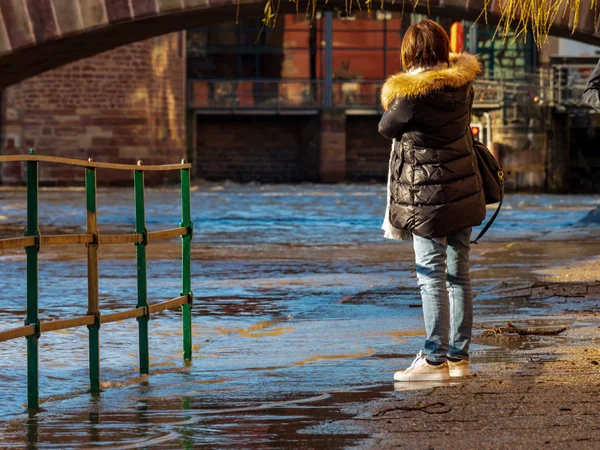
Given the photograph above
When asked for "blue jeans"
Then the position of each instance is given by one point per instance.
(443, 276)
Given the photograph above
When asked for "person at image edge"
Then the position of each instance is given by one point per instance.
(591, 95)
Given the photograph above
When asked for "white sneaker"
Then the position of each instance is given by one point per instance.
(459, 369)
(403, 386)
(421, 370)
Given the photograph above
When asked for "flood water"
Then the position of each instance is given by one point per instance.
(302, 313)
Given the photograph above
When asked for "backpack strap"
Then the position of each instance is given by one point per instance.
(491, 221)
(487, 225)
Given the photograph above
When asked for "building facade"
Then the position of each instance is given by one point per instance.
(123, 105)
(317, 81)
(296, 102)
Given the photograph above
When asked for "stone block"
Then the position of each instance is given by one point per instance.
(93, 13)
(4, 41)
(144, 7)
(69, 131)
(42, 20)
(170, 5)
(12, 114)
(193, 3)
(119, 121)
(18, 25)
(134, 152)
(68, 16)
(118, 10)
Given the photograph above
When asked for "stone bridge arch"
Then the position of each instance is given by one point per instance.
(39, 35)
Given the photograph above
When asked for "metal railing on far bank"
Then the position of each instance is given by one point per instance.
(559, 86)
(34, 241)
(298, 96)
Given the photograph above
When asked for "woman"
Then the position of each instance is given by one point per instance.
(434, 190)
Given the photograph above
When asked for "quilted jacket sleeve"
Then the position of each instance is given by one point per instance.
(396, 119)
(591, 95)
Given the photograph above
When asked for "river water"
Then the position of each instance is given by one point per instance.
(302, 312)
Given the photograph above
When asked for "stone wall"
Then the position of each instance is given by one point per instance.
(519, 141)
(257, 148)
(290, 148)
(367, 152)
(120, 106)
(522, 156)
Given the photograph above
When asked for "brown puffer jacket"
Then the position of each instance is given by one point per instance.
(435, 185)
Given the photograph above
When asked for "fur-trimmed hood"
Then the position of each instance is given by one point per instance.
(463, 69)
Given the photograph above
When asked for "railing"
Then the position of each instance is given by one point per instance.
(570, 82)
(488, 94)
(254, 95)
(560, 86)
(297, 95)
(92, 238)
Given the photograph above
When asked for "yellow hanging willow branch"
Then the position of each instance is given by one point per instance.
(538, 16)
(518, 16)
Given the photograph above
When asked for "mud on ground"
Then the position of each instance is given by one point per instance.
(527, 392)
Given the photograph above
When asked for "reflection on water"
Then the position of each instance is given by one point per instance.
(301, 311)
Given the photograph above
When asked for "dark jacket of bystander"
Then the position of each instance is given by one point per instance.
(591, 95)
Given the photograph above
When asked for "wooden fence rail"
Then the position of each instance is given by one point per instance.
(92, 238)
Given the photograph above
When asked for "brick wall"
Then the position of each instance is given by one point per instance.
(367, 152)
(120, 106)
(257, 148)
(287, 149)
(332, 159)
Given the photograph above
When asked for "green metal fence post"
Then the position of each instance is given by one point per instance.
(186, 269)
(92, 253)
(142, 286)
(32, 229)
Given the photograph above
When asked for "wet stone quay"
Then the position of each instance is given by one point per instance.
(302, 312)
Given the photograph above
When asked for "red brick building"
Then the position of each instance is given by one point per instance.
(123, 105)
(299, 102)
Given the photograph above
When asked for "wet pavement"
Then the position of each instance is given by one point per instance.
(302, 313)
